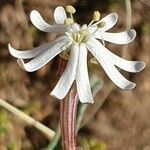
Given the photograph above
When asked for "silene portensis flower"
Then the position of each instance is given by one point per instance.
(76, 41)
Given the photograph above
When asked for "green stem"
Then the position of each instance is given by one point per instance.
(55, 140)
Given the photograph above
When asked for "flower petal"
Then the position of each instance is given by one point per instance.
(108, 66)
(39, 22)
(60, 15)
(75, 27)
(116, 76)
(110, 20)
(82, 78)
(130, 66)
(45, 57)
(27, 54)
(68, 76)
(117, 38)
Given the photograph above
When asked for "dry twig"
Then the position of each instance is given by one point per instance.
(49, 133)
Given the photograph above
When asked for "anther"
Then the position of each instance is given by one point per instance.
(64, 55)
(70, 9)
(93, 61)
(96, 16)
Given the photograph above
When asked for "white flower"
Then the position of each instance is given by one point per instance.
(79, 40)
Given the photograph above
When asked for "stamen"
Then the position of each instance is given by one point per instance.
(74, 36)
(96, 16)
(91, 23)
(78, 37)
(103, 42)
(64, 55)
(99, 25)
(93, 61)
(68, 21)
(84, 32)
(67, 34)
(70, 9)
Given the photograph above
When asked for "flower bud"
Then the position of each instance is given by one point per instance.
(96, 16)
(70, 9)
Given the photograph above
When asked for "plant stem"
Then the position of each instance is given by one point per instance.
(128, 24)
(55, 140)
(68, 112)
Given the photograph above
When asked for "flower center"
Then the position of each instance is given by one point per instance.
(81, 36)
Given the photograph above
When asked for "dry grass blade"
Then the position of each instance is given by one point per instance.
(45, 130)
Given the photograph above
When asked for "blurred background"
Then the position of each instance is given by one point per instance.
(118, 120)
